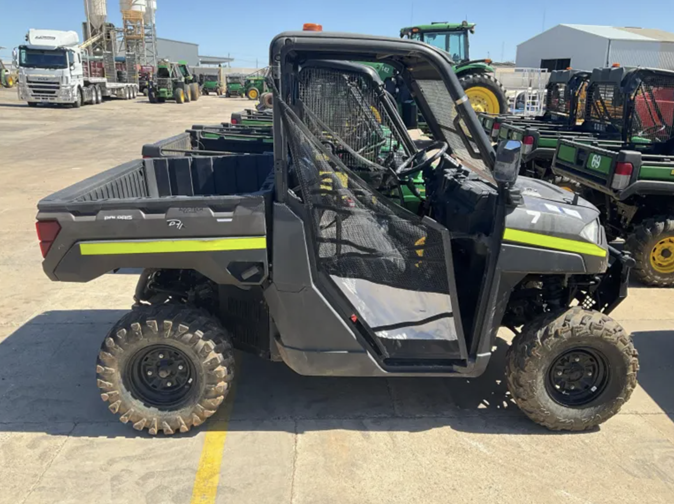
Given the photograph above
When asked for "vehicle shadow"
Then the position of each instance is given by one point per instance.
(47, 380)
(656, 373)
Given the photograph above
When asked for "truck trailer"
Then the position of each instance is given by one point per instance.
(53, 68)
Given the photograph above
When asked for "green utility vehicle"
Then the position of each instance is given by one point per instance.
(169, 84)
(212, 82)
(564, 104)
(235, 85)
(360, 286)
(486, 94)
(632, 181)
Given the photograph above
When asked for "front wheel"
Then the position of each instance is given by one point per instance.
(165, 368)
(252, 94)
(80, 99)
(572, 371)
(652, 246)
(485, 93)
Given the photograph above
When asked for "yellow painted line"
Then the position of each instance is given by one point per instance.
(169, 246)
(553, 242)
(208, 474)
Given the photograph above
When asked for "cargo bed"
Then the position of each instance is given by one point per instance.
(159, 213)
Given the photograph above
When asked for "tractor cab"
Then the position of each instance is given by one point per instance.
(485, 93)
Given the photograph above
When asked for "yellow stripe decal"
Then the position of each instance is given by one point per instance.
(552, 242)
(166, 246)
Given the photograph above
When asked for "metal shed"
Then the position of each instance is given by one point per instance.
(587, 46)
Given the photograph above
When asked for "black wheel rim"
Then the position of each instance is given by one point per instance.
(577, 377)
(162, 376)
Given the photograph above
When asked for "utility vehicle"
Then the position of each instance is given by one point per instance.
(235, 85)
(309, 256)
(632, 180)
(564, 104)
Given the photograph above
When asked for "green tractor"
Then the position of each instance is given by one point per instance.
(170, 84)
(485, 93)
(7, 79)
(190, 79)
(254, 86)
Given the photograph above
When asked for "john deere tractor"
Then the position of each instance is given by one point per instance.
(190, 79)
(170, 84)
(485, 93)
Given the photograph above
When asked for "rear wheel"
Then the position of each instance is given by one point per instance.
(194, 91)
(252, 94)
(165, 368)
(485, 93)
(187, 93)
(571, 371)
(179, 95)
(652, 246)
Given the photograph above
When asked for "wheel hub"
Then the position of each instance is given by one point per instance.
(577, 377)
(662, 256)
(161, 376)
(483, 100)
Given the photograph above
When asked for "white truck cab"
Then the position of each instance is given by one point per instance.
(51, 70)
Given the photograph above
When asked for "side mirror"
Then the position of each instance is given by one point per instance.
(507, 165)
(15, 58)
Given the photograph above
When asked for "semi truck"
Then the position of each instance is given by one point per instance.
(54, 69)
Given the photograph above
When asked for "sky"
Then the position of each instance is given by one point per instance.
(243, 29)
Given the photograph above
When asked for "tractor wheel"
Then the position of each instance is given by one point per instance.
(572, 370)
(252, 94)
(267, 101)
(9, 81)
(194, 91)
(485, 93)
(179, 95)
(652, 246)
(187, 92)
(165, 368)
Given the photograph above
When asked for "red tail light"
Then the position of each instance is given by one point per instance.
(622, 175)
(47, 231)
(528, 143)
(234, 121)
(495, 129)
(624, 169)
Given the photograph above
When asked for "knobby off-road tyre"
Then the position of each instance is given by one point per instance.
(493, 92)
(572, 370)
(652, 246)
(188, 93)
(165, 368)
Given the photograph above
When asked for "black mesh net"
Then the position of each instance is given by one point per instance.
(556, 100)
(605, 104)
(653, 117)
(386, 260)
(455, 132)
(342, 107)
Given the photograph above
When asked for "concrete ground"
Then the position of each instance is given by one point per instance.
(283, 437)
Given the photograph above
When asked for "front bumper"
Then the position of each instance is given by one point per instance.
(43, 93)
(612, 289)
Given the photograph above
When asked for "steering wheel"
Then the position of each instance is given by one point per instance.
(416, 163)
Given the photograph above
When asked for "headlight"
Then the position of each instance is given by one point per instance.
(591, 231)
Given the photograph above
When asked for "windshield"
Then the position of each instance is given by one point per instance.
(184, 71)
(453, 43)
(163, 73)
(39, 58)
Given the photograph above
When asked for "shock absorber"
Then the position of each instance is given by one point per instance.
(553, 291)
